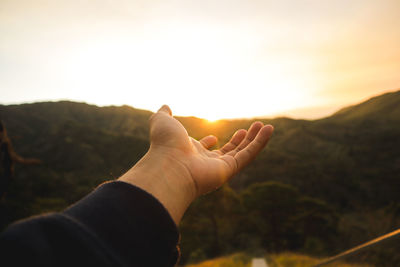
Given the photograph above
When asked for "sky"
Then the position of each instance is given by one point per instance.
(210, 59)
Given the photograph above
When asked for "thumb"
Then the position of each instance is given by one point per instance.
(165, 109)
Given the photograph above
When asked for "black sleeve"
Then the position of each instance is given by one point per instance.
(115, 225)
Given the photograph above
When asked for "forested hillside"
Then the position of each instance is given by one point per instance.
(321, 186)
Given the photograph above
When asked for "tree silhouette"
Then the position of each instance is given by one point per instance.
(8, 158)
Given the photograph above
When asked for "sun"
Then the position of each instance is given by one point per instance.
(213, 121)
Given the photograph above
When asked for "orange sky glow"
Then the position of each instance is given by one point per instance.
(210, 59)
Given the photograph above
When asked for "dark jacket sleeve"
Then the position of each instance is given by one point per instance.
(115, 225)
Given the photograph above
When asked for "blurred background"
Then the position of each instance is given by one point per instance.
(79, 80)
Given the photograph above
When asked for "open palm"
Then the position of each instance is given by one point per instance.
(208, 169)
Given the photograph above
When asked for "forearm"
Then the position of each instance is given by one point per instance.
(131, 222)
(166, 179)
(116, 225)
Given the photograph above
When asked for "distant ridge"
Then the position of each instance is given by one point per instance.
(386, 106)
(105, 137)
(386, 103)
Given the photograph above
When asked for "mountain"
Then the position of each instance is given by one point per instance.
(78, 139)
(350, 161)
(351, 158)
(383, 108)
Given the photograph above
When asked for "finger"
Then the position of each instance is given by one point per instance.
(251, 134)
(208, 141)
(234, 142)
(246, 155)
(165, 109)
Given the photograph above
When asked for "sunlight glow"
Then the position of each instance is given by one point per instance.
(210, 59)
(212, 120)
(195, 71)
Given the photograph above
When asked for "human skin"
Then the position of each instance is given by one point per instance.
(177, 168)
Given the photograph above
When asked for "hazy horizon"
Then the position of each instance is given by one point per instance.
(310, 113)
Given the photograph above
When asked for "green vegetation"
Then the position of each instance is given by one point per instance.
(236, 260)
(286, 259)
(321, 187)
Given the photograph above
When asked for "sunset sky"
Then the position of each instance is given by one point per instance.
(211, 59)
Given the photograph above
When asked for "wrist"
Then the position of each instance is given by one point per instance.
(166, 179)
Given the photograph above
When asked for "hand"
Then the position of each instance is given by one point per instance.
(208, 169)
(177, 168)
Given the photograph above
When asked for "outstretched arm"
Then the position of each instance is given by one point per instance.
(122, 225)
(178, 168)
